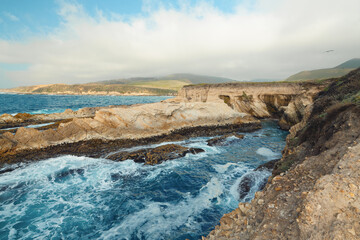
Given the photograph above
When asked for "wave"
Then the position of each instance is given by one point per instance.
(94, 198)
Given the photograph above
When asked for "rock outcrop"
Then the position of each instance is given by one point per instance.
(222, 140)
(314, 192)
(24, 119)
(285, 101)
(155, 155)
(129, 122)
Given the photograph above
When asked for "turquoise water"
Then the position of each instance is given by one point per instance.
(72, 197)
(44, 104)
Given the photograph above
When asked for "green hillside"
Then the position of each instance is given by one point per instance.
(161, 84)
(353, 63)
(165, 85)
(335, 72)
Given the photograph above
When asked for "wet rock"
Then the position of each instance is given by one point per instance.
(267, 166)
(221, 141)
(155, 155)
(245, 185)
(248, 181)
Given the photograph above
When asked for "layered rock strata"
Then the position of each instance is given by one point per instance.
(127, 122)
(314, 192)
(285, 101)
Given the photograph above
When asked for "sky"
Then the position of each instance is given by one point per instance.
(80, 41)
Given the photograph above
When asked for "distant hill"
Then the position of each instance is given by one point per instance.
(91, 89)
(337, 71)
(165, 85)
(178, 79)
(353, 63)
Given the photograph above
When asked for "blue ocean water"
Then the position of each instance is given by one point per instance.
(72, 197)
(37, 104)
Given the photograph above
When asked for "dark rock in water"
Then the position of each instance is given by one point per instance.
(196, 150)
(267, 166)
(155, 155)
(6, 170)
(221, 141)
(137, 156)
(245, 185)
(249, 180)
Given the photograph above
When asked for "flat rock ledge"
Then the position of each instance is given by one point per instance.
(124, 126)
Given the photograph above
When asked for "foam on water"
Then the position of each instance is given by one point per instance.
(72, 197)
(158, 220)
(267, 152)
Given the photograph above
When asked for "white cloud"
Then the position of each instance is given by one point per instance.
(273, 40)
(11, 16)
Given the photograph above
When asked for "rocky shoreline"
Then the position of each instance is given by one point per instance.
(101, 148)
(314, 191)
(218, 108)
(112, 128)
(322, 148)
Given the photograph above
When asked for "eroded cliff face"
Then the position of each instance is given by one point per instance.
(314, 192)
(285, 101)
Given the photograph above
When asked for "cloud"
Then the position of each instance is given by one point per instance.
(11, 17)
(272, 39)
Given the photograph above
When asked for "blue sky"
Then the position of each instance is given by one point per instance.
(20, 19)
(76, 41)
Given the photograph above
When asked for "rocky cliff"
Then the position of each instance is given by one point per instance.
(206, 106)
(314, 192)
(286, 101)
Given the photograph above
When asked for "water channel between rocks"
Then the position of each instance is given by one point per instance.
(72, 197)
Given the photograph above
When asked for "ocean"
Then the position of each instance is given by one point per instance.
(70, 197)
(45, 104)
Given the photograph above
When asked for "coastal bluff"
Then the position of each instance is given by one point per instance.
(215, 108)
(281, 100)
(314, 191)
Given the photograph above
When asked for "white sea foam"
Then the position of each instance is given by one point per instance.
(223, 168)
(266, 152)
(159, 219)
(79, 197)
